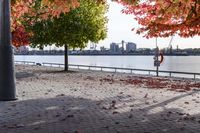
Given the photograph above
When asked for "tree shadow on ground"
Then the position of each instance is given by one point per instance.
(59, 71)
(21, 75)
(67, 114)
(52, 70)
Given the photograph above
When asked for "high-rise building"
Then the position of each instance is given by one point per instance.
(130, 46)
(122, 49)
(114, 48)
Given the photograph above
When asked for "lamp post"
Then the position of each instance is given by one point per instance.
(7, 76)
(156, 61)
(157, 52)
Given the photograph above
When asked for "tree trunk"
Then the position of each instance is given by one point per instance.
(66, 58)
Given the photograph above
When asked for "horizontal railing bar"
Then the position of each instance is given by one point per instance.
(113, 68)
(25, 61)
(179, 72)
(133, 69)
(52, 64)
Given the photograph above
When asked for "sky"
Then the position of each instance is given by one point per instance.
(120, 25)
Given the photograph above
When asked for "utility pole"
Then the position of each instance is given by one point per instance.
(156, 61)
(7, 76)
(157, 52)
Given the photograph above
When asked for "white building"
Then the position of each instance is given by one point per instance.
(21, 49)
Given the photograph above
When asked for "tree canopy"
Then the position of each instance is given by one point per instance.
(163, 18)
(37, 10)
(75, 28)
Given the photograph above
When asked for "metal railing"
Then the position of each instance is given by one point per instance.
(25, 62)
(131, 70)
(116, 69)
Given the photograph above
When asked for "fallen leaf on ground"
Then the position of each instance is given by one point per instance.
(186, 102)
(60, 95)
(115, 112)
(130, 116)
(70, 116)
(146, 95)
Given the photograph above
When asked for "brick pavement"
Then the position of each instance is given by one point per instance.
(52, 101)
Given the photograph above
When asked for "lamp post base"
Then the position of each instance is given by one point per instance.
(7, 76)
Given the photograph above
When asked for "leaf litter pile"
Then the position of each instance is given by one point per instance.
(179, 85)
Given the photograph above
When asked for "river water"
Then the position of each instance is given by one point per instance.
(170, 63)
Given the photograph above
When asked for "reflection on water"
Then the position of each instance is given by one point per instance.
(172, 63)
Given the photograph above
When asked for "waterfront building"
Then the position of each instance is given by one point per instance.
(114, 48)
(130, 46)
(123, 42)
(21, 50)
(102, 49)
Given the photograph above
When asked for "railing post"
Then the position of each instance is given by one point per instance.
(115, 70)
(170, 74)
(194, 76)
(149, 72)
(131, 71)
(101, 68)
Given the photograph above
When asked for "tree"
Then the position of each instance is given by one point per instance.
(74, 29)
(163, 18)
(36, 10)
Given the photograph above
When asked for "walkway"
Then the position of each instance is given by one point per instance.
(51, 101)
